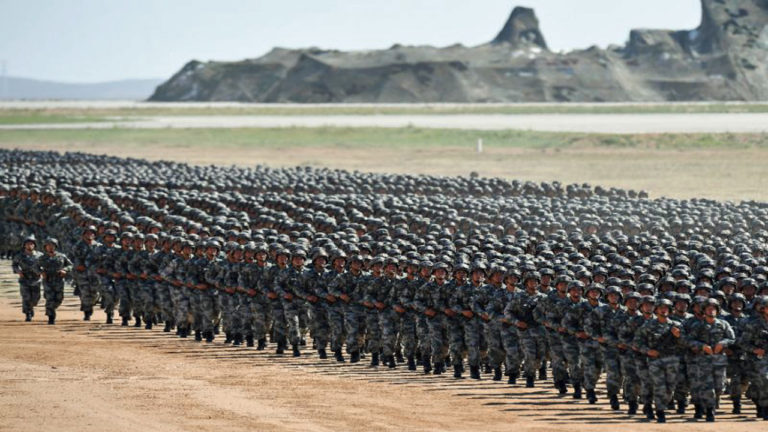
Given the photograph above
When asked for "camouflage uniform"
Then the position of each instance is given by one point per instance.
(102, 262)
(663, 370)
(389, 320)
(755, 336)
(273, 277)
(549, 313)
(290, 284)
(570, 324)
(521, 311)
(406, 291)
(600, 324)
(312, 291)
(349, 284)
(84, 277)
(474, 337)
(53, 284)
(334, 310)
(123, 283)
(494, 308)
(29, 282)
(709, 376)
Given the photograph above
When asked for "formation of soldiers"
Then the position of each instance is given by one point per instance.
(666, 299)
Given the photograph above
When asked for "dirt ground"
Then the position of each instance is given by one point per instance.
(89, 376)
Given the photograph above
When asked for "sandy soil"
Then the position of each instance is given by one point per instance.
(88, 376)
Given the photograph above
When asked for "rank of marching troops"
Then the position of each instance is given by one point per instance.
(656, 303)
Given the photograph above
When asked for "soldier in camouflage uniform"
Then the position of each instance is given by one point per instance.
(657, 338)
(589, 347)
(462, 303)
(26, 265)
(549, 315)
(289, 288)
(389, 320)
(164, 290)
(454, 320)
(431, 300)
(709, 339)
(273, 277)
(122, 282)
(492, 294)
(54, 267)
(334, 307)
(148, 269)
(83, 276)
(736, 370)
(135, 268)
(348, 288)
(313, 292)
(754, 342)
(521, 314)
(420, 300)
(102, 261)
(374, 291)
(406, 291)
(625, 325)
(228, 297)
(680, 314)
(208, 308)
(569, 327)
(601, 327)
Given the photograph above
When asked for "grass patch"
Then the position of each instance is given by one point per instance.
(10, 117)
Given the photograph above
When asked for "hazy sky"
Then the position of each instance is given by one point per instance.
(99, 40)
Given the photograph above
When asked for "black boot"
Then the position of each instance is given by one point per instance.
(227, 337)
(615, 403)
(710, 413)
(439, 368)
(374, 359)
(474, 372)
(209, 336)
(167, 328)
(262, 344)
(411, 363)
(648, 411)
(27, 317)
(125, 322)
(296, 352)
(529, 381)
(457, 372)
(399, 356)
(183, 332)
(497, 374)
(632, 408)
(577, 391)
(591, 396)
(512, 380)
(661, 416)
(86, 316)
(198, 335)
(698, 412)
(338, 356)
(765, 413)
(561, 388)
(391, 362)
(249, 341)
(280, 348)
(488, 368)
(736, 405)
(137, 324)
(238, 339)
(427, 363)
(543, 372)
(148, 324)
(354, 357)
(216, 329)
(109, 318)
(322, 354)
(681, 407)
(51, 319)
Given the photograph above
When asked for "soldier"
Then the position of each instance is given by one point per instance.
(207, 306)
(736, 370)
(463, 303)
(314, 293)
(492, 294)
(54, 267)
(147, 269)
(374, 292)
(122, 283)
(601, 327)
(273, 277)
(754, 342)
(549, 314)
(289, 288)
(102, 261)
(334, 307)
(626, 325)
(228, 296)
(26, 266)
(429, 300)
(389, 321)
(406, 290)
(348, 288)
(454, 319)
(83, 277)
(657, 338)
(520, 313)
(709, 339)
(569, 334)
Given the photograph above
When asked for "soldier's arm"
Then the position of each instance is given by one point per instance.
(729, 338)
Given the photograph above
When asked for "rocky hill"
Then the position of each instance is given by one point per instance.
(725, 58)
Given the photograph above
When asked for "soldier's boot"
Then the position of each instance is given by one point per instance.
(529, 381)
(391, 362)
(591, 396)
(765, 413)
(374, 359)
(661, 416)
(52, 318)
(338, 356)
(296, 352)
(280, 348)
(354, 357)
(632, 408)
(148, 324)
(249, 342)
(427, 363)
(86, 316)
(488, 368)
(736, 405)
(399, 356)
(615, 403)
(303, 342)
(497, 374)
(512, 380)
(167, 328)
(262, 344)
(216, 329)
(322, 354)
(28, 317)
(561, 388)
(198, 335)
(314, 344)
(183, 332)
(237, 340)
(648, 411)
(710, 414)
(125, 322)
(457, 372)
(109, 318)
(209, 336)
(698, 411)
(228, 338)
(758, 410)
(543, 371)
(681, 405)
(439, 368)
(137, 324)
(577, 391)
(474, 372)
(411, 363)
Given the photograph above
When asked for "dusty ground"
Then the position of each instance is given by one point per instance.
(88, 376)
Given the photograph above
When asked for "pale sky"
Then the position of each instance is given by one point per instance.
(101, 40)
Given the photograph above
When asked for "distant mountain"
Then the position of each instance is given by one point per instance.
(725, 58)
(25, 88)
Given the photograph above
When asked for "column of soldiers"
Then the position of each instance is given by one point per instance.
(667, 304)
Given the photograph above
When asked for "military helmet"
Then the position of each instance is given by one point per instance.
(52, 241)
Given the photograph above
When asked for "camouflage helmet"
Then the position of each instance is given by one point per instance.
(51, 241)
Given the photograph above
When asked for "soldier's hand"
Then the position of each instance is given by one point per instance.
(485, 317)
(759, 352)
(675, 331)
(601, 340)
(449, 312)
(430, 313)
(330, 298)
(581, 335)
(521, 325)
(621, 346)
(62, 273)
(561, 329)
(345, 298)
(312, 299)
(271, 295)
(399, 309)
(380, 305)
(251, 292)
(80, 268)
(288, 296)
(718, 349)
(653, 353)
(467, 313)
(707, 349)
(368, 304)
